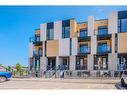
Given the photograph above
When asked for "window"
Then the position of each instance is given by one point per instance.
(102, 30)
(66, 32)
(122, 63)
(50, 34)
(103, 47)
(81, 63)
(101, 63)
(122, 25)
(84, 48)
(83, 33)
(37, 38)
(40, 51)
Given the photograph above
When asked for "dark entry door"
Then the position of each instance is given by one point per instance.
(51, 64)
(66, 63)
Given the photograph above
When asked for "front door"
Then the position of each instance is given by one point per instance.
(51, 64)
(81, 63)
(66, 63)
(102, 63)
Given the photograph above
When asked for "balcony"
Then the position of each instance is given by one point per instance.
(104, 37)
(36, 40)
(85, 38)
(103, 49)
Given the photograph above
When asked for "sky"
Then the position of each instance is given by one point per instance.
(17, 25)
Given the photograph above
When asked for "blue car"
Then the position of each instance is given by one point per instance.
(4, 76)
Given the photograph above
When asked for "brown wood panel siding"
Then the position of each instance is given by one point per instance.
(52, 48)
(122, 46)
(98, 23)
(73, 32)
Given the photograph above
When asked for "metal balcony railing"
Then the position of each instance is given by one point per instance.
(35, 40)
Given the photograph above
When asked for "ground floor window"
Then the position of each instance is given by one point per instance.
(122, 62)
(81, 63)
(101, 62)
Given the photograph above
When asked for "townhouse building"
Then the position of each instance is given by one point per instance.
(91, 45)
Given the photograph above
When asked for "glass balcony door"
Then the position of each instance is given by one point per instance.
(102, 30)
(84, 48)
(83, 33)
(103, 47)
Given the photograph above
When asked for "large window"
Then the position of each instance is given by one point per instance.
(122, 63)
(101, 63)
(50, 34)
(83, 33)
(103, 47)
(66, 32)
(84, 48)
(102, 30)
(122, 25)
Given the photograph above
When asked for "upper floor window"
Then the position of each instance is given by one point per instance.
(83, 33)
(103, 47)
(50, 31)
(66, 32)
(84, 48)
(122, 25)
(37, 38)
(50, 34)
(102, 30)
(65, 28)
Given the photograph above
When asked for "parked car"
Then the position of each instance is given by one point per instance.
(124, 79)
(4, 76)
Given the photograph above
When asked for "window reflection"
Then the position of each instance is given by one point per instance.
(102, 30)
(83, 33)
(66, 32)
(122, 25)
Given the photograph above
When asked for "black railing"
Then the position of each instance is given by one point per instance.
(104, 36)
(35, 40)
(79, 67)
(85, 38)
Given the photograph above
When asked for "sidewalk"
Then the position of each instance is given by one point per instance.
(39, 83)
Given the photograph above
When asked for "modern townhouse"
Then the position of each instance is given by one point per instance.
(87, 46)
